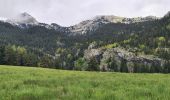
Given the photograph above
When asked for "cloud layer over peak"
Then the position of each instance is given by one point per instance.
(69, 12)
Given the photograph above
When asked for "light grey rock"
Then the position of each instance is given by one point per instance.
(120, 57)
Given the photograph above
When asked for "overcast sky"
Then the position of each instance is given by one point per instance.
(69, 12)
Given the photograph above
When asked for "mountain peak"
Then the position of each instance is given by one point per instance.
(168, 14)
(25, 14)
(23, 18)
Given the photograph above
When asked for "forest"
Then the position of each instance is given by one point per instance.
(39, 46)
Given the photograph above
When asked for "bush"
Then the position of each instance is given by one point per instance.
(81, 64)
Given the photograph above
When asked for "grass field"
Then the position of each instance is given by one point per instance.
(23, 83)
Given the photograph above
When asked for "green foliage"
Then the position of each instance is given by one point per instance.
(16, 55)
(127, 41)
(81, 64)
(93, 65)
(86, 65)
(163, 53)
(162, 39)
(45, 61)
(112, 65)
(2, 55)
(109, 46)
(168, 26)
(142, 46)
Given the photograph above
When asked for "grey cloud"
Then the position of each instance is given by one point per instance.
(69, 12)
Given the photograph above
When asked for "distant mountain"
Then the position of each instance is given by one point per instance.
(91, 25)
(167, 15)
(25, 20)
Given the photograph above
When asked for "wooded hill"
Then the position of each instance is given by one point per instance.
(52, 48)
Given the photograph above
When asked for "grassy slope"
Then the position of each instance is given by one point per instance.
(20, 83)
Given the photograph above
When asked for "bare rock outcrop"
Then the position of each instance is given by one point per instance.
(118, 59)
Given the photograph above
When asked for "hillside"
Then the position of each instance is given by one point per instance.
(21, 83)
(143, 42)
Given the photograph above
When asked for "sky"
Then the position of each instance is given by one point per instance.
(70, 12)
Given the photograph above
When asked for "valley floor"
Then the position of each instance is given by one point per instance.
(26, 83)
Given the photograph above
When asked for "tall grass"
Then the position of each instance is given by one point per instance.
(21, 83)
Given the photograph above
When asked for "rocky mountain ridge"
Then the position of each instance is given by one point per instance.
(91, 25)
(25, 20)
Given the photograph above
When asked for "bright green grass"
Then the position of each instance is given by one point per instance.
(21, 83)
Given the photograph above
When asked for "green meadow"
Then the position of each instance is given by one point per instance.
(27, 83)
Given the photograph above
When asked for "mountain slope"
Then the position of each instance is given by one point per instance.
(55, 46)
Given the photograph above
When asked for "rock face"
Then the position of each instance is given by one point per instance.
(118, 59)
(91, 53)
